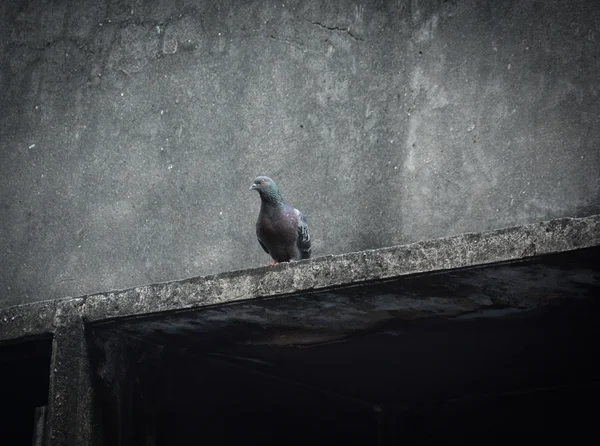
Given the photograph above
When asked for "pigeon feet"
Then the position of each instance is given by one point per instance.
(275, 262)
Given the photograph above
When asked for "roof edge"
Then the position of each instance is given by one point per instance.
(460, 251)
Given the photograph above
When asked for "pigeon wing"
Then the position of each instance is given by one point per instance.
(263, 246)
(303, 235)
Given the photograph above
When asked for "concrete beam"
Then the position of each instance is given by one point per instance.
(466, 250)
(70, 408)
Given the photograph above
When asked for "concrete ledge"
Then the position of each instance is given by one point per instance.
(27, 320)
(466, 250)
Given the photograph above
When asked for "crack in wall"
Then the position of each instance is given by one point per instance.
(338, 28)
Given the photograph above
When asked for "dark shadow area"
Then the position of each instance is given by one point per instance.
(473, 356)
(24, 381)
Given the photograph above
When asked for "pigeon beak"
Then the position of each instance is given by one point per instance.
(252, 187)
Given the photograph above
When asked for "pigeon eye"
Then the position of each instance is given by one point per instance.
(262, 181)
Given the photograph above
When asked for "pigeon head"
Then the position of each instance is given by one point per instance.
(267, 189)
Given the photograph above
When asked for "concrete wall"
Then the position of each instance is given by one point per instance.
(131, 130)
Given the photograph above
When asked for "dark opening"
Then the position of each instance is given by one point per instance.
(24, 380)
(406, 361)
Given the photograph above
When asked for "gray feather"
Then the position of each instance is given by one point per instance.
(303, 235)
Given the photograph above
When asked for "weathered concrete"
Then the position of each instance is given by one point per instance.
(130, 366)
(28, 319)
(130, 131)
(492, 291)
(320, 273)
(70, 418)
(514, 340)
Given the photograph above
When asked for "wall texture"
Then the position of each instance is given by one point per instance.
(131, 130)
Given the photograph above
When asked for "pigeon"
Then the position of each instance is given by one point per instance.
(282, 231)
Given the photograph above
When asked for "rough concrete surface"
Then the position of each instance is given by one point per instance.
(118, 357)
(70, 415)
(304, 276)
(427, 340)
(324, 316)
(130, 131)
